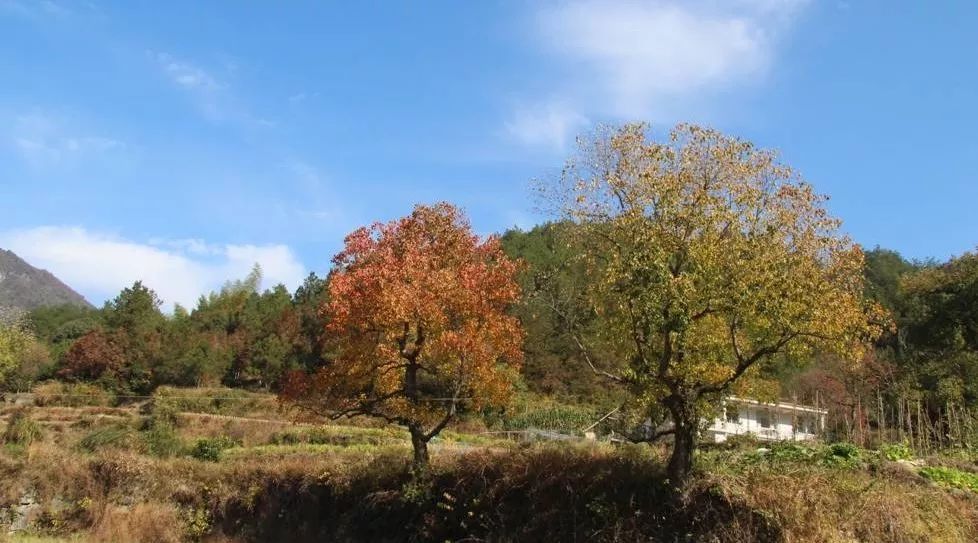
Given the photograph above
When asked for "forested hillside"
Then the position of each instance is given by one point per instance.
(919, 383)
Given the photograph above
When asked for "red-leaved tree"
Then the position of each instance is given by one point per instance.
(95, 355)
(418, 324)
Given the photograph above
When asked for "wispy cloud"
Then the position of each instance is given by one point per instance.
(631, 60)
(209, 90)
(44, 140)
(210, 95)
(100, 265)
(551, 124)
(188, 75)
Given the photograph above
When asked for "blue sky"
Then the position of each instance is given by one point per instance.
(180, 145)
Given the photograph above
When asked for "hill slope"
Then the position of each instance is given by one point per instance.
(25, 287)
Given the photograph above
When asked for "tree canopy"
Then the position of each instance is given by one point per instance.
(709, 259)
(417, 314)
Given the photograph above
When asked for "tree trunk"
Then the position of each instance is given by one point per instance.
(420, 444)
(686, 423)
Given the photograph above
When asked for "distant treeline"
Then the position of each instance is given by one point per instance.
(920, 384)
(923, 369)
(239, 336)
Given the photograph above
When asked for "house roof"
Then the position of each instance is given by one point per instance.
(782, 406)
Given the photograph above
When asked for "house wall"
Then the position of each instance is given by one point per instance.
(780, 428)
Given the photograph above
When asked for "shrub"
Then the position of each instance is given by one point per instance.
(160, 434)
(896, 451)
(210, 449)
(21, 430)
(842, 455)
(791, 451)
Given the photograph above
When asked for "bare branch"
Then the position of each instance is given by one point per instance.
(590, 363)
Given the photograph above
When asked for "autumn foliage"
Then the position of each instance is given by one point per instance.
(93, 356)
(711, 261)
(417, 317)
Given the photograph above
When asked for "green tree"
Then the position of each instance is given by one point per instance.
(554, 282)
(136, 310)
(939, 330)
(136, 324)
(59, 326)
(308, 298)
(15, 342)
(884, 271)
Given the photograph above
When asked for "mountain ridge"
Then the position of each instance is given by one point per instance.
(25, 287)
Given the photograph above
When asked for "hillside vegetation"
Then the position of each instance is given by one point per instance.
(183, 468)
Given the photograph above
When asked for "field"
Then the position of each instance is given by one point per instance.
(221, 465)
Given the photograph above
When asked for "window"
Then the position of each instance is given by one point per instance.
(764, 418)
(731, 414)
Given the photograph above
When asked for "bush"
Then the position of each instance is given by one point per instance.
(842, 453)
(21, 430)
(162, 441)
(160, 434)
(896, 451)
(791, 451)
(210, 449)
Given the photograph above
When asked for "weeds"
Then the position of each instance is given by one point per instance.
(115, 436)
(951, 477)
(21, 429)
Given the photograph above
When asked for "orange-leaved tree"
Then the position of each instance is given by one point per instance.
(418, 324)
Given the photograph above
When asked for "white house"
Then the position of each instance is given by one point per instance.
(767, 421)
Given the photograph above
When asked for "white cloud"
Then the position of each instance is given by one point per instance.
(44, 140)
(210, 93)
(551, 124)
(187, 75)
(100, 265)
(638, 60)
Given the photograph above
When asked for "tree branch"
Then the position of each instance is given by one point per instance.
(590, 363)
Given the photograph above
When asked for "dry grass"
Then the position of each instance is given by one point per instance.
(352, 483)
(841, 505)
(141, 523)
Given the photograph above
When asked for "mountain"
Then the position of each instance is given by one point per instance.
(25, 287)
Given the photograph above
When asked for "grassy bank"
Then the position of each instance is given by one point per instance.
(157, 474)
